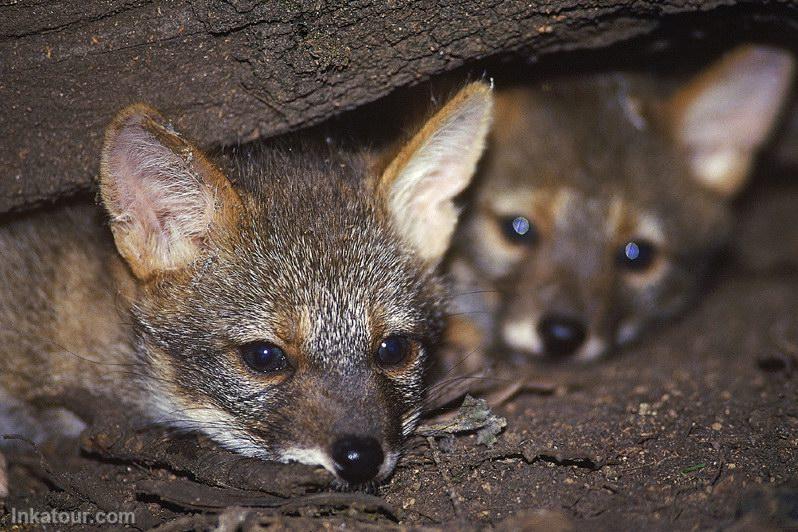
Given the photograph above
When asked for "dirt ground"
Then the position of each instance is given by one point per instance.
(694, 428)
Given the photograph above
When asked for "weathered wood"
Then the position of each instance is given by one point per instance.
(238, 70)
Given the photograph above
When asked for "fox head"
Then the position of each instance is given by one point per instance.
(289, 317)
(601, 202)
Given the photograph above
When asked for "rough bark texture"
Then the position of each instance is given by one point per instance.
(238, 70)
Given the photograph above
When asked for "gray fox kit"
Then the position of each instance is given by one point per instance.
(602, 201)
(289, 316)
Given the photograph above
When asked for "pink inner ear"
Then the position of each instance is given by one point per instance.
(163, 206)
(133, 164)
(739, 106)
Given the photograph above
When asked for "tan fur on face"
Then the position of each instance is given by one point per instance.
(293, 329)
(540, 206)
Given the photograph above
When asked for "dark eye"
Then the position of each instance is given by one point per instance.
(637, 255)
(264, 357)
(393, 351)
(519, 230)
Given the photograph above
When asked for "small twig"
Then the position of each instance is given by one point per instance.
(718, 473)
(501, 396)
(447, 477)
(721, 466)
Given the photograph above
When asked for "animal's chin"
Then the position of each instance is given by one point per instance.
(370, 487)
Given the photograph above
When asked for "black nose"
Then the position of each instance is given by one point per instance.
(561, 335)
(357, 459)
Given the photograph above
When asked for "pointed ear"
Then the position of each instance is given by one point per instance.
(726, 114)
(163, 196)
(421, 182)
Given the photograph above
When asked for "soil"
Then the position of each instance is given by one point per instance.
(694, 428)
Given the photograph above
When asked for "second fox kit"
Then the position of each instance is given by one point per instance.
(601, 202)
(289, 317)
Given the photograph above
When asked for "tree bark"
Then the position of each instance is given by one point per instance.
(238, 70)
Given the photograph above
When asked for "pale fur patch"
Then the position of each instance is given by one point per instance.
(512, 204)
(561, 206)
(309, 456)
(522, 335)
(388, 464)
(633, 111)
(20, 419)
(627, 331)
(165, 406)
(649, 227)
(721, 169)
(616, 214)
(435, 167)
(593, 349)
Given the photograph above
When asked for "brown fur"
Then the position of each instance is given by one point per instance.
(60, 272)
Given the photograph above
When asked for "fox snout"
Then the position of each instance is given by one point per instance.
(357, 459)
(533, 327)
(348, 421)
(561, 335)
(354, 459)
(365, 440)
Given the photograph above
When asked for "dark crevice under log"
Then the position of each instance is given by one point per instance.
(231, 71)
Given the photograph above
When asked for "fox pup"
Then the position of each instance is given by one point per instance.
(288, 317)
(603, 199)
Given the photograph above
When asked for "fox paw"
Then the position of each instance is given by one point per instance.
(3, 477)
